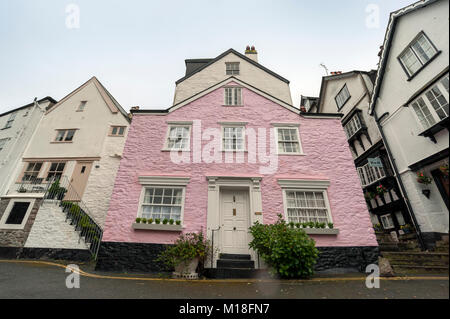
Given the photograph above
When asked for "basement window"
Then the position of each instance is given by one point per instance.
(16, 214)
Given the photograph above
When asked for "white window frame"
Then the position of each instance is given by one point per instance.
(340, 101)
(354, 123)
(231, 70)
(82, 106)
(375, 171)
(289, 127)
(305, 186)
(233, 89)
(222, 137)
(171, 125)
(389, 224)
(415, 54)
(163, 182)
(8, 211)
(64, 136)
(425, 122)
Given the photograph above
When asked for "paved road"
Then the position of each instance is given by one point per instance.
(35, 280)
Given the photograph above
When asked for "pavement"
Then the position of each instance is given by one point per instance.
(33, 279)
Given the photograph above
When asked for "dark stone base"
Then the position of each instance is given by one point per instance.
(45, 253)
(140, 257)
(350, 258)
(431, 238)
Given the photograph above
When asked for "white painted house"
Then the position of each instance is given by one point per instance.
(349, 93)
(78, 142)
(16, 129)
(204, 73)
(410, 101)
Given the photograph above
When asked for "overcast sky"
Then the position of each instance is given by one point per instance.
(137, 48)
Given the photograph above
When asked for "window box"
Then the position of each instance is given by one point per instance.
(321, 231)
(164, 227)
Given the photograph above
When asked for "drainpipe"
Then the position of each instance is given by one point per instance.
(399, 180)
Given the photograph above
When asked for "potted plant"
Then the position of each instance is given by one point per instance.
(53, 191)
(165, 221)
(144, 220)
(150, 220)
(60, 193)
(185, 254)
(22, 189)
(138, 220)
(377, 228)
(157, 221)
(381, 189)
(178, 222)
(330, 225)
(171, 221)
(423, 179)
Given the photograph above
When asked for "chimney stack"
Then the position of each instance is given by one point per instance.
(251, 53)
(336, 73)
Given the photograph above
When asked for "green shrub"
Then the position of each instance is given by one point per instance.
(157, 220)
(330, 225)
(171, 221)
(292, 224)
(144, 220)
(298, 225)
(186, 248)
(138, 220)
(165, 221)
(178, 222)
(290, 252)
(150, 220)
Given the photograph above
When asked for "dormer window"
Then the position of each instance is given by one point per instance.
(233, 96)
(10, 120)
(232, 68)
(342, 97)
(419, 52)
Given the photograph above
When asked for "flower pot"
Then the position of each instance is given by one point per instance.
(187, 269)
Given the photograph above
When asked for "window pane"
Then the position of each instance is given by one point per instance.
(423, 49)
(60, 136)
(69, 136)
(17, 213)
(438, 101)
(410, 61)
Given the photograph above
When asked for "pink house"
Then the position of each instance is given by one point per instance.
(231, 151)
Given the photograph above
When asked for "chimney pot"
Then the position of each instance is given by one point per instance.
(251, 53)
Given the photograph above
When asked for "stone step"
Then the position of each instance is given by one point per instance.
(417, 258)
(233, 273)
(408, 269)
(235, 256)
(235, 263)
(398, 247)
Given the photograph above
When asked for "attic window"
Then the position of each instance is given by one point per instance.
(81, 106)
(233, 96)
(232, 68)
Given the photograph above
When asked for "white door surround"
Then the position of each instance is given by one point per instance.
(217, 185)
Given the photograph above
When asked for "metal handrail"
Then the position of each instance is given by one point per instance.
(60, 190)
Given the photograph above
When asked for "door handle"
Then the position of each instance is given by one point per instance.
(234, 211)
(234, 228)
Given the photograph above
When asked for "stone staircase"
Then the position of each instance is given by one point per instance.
(405, 256)
(234, 266)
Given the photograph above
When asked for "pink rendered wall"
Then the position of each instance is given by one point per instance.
(326, 155)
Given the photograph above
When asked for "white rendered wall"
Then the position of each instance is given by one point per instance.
(248, 73)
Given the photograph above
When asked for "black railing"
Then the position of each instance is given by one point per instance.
(60, 190)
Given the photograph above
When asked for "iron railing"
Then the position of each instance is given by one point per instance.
(62, 193)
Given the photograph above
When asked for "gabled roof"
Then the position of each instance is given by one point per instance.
(337, 77)
(216, 86)
(110, 101)
(47, 98)
(242, 56)
(390, 30)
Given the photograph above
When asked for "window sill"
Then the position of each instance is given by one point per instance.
(291, 154)
(62, 142)
(178, 151)
(443, 124)
(321, 231)
(240, 105)
(166, 227)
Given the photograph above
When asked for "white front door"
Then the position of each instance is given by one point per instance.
(234, 214)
